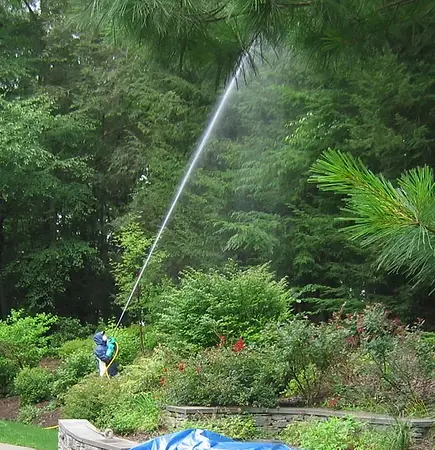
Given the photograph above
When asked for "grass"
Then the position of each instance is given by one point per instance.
(15, 433)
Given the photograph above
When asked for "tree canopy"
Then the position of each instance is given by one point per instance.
(102, 103)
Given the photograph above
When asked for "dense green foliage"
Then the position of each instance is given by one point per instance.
(24, 340)
(33, 385)
(101, 103)
(230, 303)
(338, 434)
(95, 137)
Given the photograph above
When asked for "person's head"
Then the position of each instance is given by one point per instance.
(104, 335)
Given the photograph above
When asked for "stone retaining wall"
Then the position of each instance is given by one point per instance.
(278, 418)
(82, 435)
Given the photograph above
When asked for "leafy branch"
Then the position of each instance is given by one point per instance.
(399, 221)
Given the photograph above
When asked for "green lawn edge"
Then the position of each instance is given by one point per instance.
(15, 433)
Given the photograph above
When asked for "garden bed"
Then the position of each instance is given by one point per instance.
(10, 409)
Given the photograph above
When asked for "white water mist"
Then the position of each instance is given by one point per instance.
(192, 164)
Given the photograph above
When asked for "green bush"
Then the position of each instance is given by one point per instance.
(429, 338)
(146, 373)
(8, 371)
(308, 356)
(73, 368)
(128, 413)
(33, 385)
(108, 404)
(24, 339)
(68, 329)
(150, 338)
(390, 366)
(86, 399)
(28, 414)
(76, 346)
(231, 302)
(222, 377)
(341, 434)
(235, 427)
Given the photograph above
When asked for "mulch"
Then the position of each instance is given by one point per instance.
(50, 364)
(10, 406)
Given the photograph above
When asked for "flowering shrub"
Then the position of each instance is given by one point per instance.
(231, 302)
(308, 357)
(389, 365)
(224, 377)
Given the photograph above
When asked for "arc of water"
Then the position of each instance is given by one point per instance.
(196, 155)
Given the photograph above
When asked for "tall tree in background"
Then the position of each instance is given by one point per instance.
(112, 128)
(84, 126)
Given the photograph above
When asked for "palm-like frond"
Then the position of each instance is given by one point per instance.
(399, 221)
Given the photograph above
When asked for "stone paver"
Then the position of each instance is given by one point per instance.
(12, 447)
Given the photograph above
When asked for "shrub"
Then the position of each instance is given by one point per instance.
(74, 367)
(235, 427)
(23, 339)
(146, 373)
(429, 338)
(308, 356)
(222, 377)
(391, 366)
(86, 399)
(150, 338)
(231, 302)
(340, 434)
(67, 329)
(76, 346)
(28, 414)
(109, 404)
(33, 385)
(8, 371)
(128, 413)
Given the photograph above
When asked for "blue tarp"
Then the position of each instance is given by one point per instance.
(197, 439)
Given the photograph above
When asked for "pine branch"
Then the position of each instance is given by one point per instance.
(400, 221)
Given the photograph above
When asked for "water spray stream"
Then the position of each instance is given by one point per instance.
(196, 155)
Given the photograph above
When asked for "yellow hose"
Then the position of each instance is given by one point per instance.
(113, 359)
(51, 428)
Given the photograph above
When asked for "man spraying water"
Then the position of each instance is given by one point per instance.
(105, 352)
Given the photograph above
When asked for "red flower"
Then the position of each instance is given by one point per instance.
(181, 366)
(162, 381)
(360, 330)
(333, 402)
(165, 369)
(239, 345)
